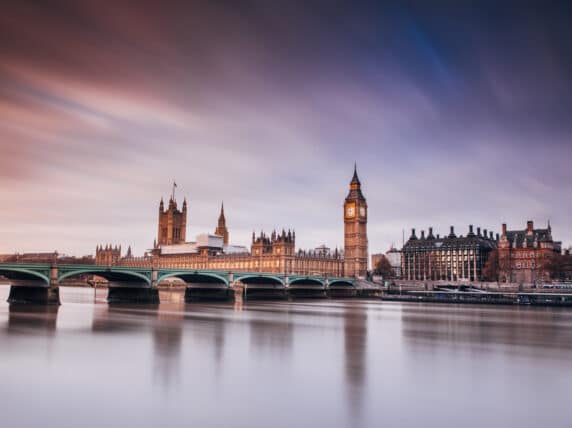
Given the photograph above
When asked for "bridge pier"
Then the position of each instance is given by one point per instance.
(125, 292)
(306, 293)
(36, 291)
(33, 294)
(195, 294)
(341, 292)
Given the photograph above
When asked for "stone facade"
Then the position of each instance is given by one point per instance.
(172, 223)
(355, 230)
(274, 253)
(524, 254)
(221, 229)
(451, 258)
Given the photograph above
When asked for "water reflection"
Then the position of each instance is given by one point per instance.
(274, 337)
(355, 349)
(167, 340)
(38, 320)
(328, 363)
(484, 327)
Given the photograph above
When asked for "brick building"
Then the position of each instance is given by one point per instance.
(524, 254)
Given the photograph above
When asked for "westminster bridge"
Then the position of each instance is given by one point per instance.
(39, 283)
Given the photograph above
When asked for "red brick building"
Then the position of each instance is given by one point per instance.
(524, 254)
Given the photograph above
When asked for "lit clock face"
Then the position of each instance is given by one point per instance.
(351, 211)
(362, 211)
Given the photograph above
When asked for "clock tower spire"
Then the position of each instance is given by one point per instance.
(355, 230)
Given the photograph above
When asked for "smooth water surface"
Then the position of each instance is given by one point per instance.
(314, 363)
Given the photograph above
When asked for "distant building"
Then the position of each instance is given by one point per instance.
(274, 252)
(451, 258)
(221, 229)
(52, 257)
(375, 259)
(172, 223)
(393, 255)
(523, 254)
(355, 230)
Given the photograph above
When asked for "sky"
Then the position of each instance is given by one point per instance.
(456, 112)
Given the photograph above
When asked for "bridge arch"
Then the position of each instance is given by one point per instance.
(194, 276)
(306, 281)
(341, 282)
(24, 273)
(253, 279)
(111, 274)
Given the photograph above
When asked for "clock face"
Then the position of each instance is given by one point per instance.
(362, 211)
(350, 211)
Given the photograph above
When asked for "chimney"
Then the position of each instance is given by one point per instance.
(485, 233)
(422, 234)
(491, 235)
(430, 236)
(478, 231)
(452, 234)
(413, 234)
(504, 229)
(438, 236)
(498, 237)
(470, 230)
(529, 227)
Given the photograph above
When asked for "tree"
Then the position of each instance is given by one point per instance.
(559, 266)
(492, 269)
(383, 268)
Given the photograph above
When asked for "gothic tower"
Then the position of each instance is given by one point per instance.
(172, 223)
(355, 230)
(221, 229)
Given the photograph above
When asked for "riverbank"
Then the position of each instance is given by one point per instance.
(489, 298)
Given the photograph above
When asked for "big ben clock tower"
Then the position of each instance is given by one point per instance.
(355, 230)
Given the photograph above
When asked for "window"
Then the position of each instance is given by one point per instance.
(518, 265)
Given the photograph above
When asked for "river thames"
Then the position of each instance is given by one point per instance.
(315, 363)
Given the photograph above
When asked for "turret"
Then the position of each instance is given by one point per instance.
(221, 229)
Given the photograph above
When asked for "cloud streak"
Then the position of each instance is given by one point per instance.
(455, 115)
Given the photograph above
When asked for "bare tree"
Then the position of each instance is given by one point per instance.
(492, 270)
(384, 268)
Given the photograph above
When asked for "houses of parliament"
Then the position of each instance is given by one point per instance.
(274, 252)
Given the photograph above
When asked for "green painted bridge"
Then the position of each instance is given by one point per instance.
(40, 282)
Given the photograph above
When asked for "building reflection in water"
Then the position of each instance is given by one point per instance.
(355, 340)
(167, 340)
(270, 335)
(164, 324)
(484, 327)
(32, 319)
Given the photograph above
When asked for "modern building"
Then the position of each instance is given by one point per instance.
(274, 252)
(524, 254)
(452, 257)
